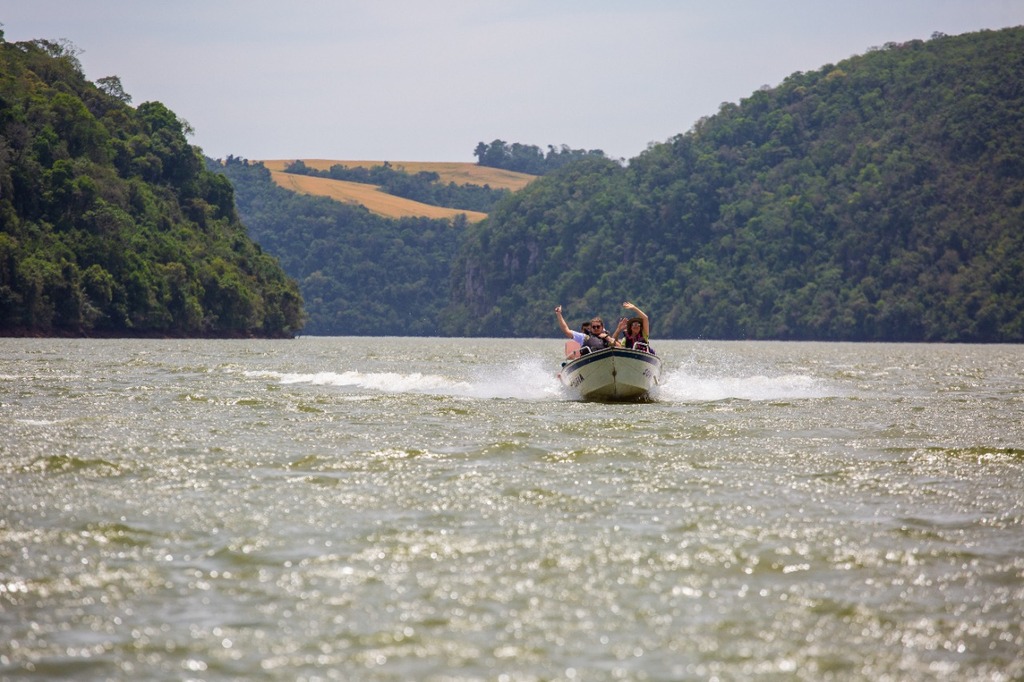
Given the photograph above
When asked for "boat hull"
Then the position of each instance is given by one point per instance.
(613, 374)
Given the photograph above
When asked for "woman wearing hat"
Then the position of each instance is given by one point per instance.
(638, 329)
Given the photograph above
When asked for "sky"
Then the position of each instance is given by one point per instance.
(427, 80)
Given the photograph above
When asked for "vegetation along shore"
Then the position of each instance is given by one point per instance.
(877, 199)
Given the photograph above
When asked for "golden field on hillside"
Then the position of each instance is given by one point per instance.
(369, 196)
(450, 171)
(388, 205)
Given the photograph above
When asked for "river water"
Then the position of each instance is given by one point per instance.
(436, 509)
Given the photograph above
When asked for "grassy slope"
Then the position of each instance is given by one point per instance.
(386, 204)
(369, 196)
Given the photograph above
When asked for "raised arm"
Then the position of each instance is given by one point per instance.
(620, 329)
(643, 318)
(561, 322)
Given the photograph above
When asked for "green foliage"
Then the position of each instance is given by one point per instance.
(878, 199)
(528, 158)
(110, 224)
(360, 274)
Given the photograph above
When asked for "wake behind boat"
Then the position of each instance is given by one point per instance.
(612, 374)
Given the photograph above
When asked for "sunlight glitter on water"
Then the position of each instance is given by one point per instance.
(418, 509)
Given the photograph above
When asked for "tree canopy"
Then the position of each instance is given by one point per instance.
(528, 158)
(881, 198)
(360, 274)
(109, 222)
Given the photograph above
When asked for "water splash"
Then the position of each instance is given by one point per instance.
(529, 379)
(385, 382)
(533, 378)
(687, 386)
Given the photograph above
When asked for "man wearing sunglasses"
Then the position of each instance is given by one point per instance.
(597, 337)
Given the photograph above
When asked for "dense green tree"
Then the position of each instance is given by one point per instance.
(109, 222)
(359, 273)
(527, 158)
(881, 198)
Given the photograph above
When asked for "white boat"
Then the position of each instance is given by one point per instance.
(612, 374)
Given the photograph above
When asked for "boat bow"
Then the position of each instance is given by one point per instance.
(612, 374)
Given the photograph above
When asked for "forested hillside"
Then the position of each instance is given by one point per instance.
(528, 158)
(360, 273)
(881, 198)
(110, 224)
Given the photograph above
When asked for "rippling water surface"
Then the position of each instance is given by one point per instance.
(428, 509)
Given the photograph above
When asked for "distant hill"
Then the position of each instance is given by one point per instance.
(360, 273)
(877, 199)
(109, 222)
(378, 201)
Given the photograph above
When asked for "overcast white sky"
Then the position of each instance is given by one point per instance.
(426, 80)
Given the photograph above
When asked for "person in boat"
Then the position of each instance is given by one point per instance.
(637, 329)
(580, 336)
(599, 337)
(596, 338)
